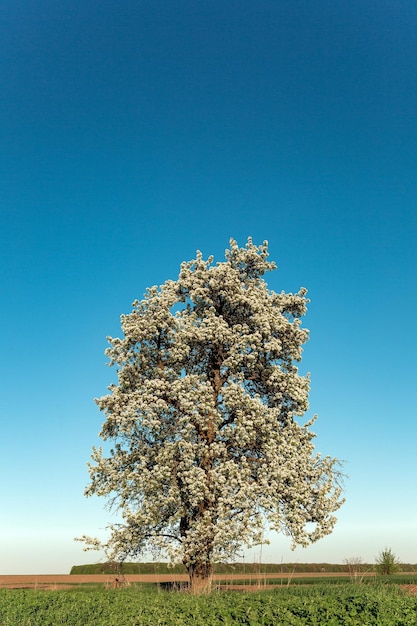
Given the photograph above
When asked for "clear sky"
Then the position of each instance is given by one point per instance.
(134, 133)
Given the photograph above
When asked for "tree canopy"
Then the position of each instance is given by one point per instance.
(209, 450)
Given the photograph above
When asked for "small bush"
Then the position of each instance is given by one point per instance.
(387, 563)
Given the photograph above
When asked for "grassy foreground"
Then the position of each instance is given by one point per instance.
(345, 604)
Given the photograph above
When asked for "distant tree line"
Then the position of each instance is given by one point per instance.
(228, 568)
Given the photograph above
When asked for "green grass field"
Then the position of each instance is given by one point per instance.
(346, 604)
(393, 579)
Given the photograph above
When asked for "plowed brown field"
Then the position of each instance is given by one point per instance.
(61, 581)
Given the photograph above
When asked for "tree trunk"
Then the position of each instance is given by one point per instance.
(200, 574)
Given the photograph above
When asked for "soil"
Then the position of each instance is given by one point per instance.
(254, 582)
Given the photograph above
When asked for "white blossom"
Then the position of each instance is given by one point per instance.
(207, 452)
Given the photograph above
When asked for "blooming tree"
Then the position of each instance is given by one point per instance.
(208, 452)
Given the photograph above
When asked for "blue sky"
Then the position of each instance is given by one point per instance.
(134, 133)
